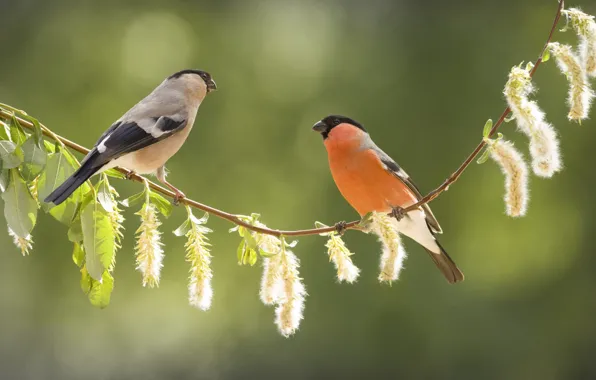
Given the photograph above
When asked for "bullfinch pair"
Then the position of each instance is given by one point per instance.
(371, 181)
(146, 136)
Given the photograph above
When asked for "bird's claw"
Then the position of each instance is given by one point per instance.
(178, 196)
(130, 174)
(398, 213)
(340, 227)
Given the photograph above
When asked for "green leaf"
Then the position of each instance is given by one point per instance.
(98, 239)
(34, 159)
(58, 169)
(240, 251)
(546, 55)
(4, 131)
(4, 178)
(183, 229)
(484, 157)
(17, 134)
(114, 174)
(252, 257)
(78, 255)
(104, 196)
(250, 240)
(75, 232)
(9, 153)
(101, 291)
(37, 133)
(163, 205)
(133, 200)
(20, 209)
(86, 280)
(488, 126)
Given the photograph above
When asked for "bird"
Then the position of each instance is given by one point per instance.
(147, 135)
(371, 181)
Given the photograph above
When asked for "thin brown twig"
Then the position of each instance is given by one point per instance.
(455, 176)
(313, 231)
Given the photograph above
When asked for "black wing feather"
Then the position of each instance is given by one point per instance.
(395, 169)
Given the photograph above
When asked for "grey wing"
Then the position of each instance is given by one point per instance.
(127, 136)
(398, 172)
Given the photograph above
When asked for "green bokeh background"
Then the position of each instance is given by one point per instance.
(422, 76)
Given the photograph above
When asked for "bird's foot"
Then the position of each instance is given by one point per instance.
(398, 213)
(178, 196)
(340, 227)
(130, 174)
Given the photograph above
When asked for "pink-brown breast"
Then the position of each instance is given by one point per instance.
(363, 180)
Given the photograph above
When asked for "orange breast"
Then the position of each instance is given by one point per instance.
(365, 183)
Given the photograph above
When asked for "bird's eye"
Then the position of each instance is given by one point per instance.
(336, 122)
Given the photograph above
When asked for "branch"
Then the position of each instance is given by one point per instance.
(314, 231)
(455, 176)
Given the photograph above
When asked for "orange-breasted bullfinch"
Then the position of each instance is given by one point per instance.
(146, 136)
(371, 181)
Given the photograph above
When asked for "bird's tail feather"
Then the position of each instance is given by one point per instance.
(87, 169)
(446, 265)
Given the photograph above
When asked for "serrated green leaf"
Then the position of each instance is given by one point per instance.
(9, 153)
(98, 239)
(78, 255)
(133, 200)
(163, 205)
(34, 159)
(488, 126)
(104, 196)
(37, 132)
(484, 157)
(546, 55)
(101, 291)
(183, 229)
(20, 209)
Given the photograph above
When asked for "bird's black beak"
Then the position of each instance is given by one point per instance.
(320, 127)
(211, 86)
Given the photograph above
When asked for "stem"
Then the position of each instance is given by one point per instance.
(313, 231)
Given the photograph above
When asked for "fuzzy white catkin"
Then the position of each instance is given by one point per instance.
(290, 308)
(394, 254)
(531, 120)
(585, 27)
(149, 250)
(271, 290)
(580, 93)
(340, 256)
(514, 168)
(200, 291)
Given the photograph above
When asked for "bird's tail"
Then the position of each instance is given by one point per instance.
(446, 265)
(87, 169)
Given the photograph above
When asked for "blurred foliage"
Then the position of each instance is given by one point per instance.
(422, 76)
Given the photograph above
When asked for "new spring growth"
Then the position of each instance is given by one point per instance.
(580, 94)
(289, 310)
(585, 27)
(148, 250)
(339, 255)
(200, 292)
(24, 244)
(544, 144)
(514, 168)
(394, 254)
(107, 196)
